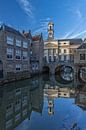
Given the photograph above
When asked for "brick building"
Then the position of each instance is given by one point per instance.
(20, 53)
(14, 53)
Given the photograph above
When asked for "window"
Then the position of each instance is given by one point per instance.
(33, 67)
(18, 43)
(65, 58)
(18, 54)
(18, 67)
(10, 53)
(59, 43)
(65, 51)
(25, 55)
(9, 123)
(36, 67)
(25, 44)
(54, 58)
(59, 50)
(9, 40)
(49, 58)
(54, 50)
(25, 67)
(70, 50)
(46, 52)
(59, 57)
(18, 117)
(50, 51)
(82, 56)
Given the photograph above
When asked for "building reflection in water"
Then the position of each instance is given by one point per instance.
(18, 100)
(80, 99)
(60, 90)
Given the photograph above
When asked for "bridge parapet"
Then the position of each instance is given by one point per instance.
(52, 65)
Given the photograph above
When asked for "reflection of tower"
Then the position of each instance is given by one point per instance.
(50, 31)
(50, 106)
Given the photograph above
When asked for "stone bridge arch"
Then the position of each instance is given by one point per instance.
(54, 65)
(46, 69)
(82, 73)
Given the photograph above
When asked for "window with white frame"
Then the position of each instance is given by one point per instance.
(18, 67)
(9, 53)
(25, 44)
(10, 40)
(18, 54)
(25, 55)
(18, 43)
(82, 56)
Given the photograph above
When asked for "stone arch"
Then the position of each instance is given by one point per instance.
(65, 72)
(82, 73)
(1, 69)
(62, 81)
(58, 69)
(46, 69)
(70, 67)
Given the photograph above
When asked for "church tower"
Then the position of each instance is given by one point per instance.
(50, 31)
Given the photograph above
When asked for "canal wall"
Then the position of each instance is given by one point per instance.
(11, 77)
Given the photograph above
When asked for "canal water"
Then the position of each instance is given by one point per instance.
(43, 103)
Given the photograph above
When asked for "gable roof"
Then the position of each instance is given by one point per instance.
(82, 46)
(10, 29)
(36, 37)
(72, 41)
(27, 34)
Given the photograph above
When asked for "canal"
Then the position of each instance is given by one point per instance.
(43, 103)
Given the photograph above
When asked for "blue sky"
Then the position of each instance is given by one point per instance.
(69, 16)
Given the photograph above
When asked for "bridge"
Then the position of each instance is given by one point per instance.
(56, 65)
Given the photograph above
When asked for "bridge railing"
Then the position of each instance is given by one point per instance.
(59, 62)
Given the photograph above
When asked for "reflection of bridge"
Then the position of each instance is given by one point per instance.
(54, 65)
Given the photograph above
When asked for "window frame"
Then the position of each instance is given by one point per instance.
(9, 40)
(10, 52)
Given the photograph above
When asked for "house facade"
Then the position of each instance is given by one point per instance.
(36, 54)
(50, 46)
(66, 49)
(14, 49)
(59, 50)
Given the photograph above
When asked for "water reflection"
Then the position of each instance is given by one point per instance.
(44, 102)
(67, 73)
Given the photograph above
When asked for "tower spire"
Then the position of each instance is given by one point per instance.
(50, 31)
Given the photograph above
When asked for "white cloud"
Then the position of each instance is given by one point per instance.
(78, 13)
(78, 34)
(43, 26)
(27, 7)
(75, 12)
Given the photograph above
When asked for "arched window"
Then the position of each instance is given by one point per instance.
(65, 51)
